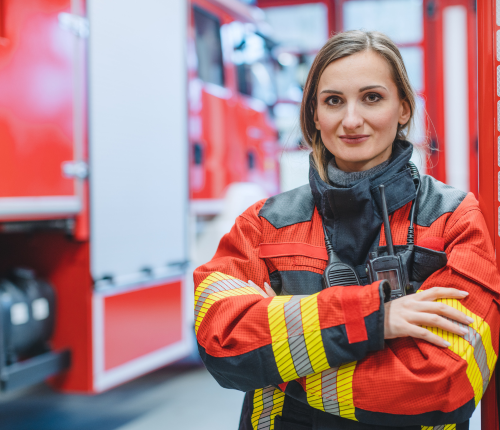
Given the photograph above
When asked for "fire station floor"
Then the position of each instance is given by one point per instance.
(176, 397)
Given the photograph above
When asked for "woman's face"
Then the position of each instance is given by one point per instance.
(358, 110)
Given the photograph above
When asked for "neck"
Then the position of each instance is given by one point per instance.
(361, 166)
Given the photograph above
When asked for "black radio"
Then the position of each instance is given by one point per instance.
(395, 267)
(392, 267)
(390, 263)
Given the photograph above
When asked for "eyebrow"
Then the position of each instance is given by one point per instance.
(369, 87)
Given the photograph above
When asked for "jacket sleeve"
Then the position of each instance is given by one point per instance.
(412, 381)
(247, 341)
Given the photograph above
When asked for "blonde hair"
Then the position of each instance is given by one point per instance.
(339, 46)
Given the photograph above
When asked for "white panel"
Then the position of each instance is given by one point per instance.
(498, 115)
(456, 101)
(55, 205)
(498, 150)
(498, 45)
(498, 12)
(138, 135)
(303, 27)
(498, 81)
(294, 169)
(475, 419)
(401, 20)
(413, 58)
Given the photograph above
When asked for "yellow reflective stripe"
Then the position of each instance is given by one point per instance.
(267, 403)
(481, 326)
(465, 350)
(278, 400)
(344, 390)
(224, 290)
(312, 333)
(440, 427)
(258, 406)
(212, 298)
(210, 279)
(279, 336)
(313, 390)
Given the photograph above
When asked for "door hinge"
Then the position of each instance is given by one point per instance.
(78, 25)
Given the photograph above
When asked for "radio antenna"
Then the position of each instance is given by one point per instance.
(385, 217)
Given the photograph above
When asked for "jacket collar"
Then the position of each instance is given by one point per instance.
(353, 215)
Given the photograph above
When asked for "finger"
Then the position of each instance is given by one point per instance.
(424, 334)
(441, 293)
(433, 320)
(262, 293)
(445, 311)
(270, 292)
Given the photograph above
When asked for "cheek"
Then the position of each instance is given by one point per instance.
(328, 120)
(384, 120)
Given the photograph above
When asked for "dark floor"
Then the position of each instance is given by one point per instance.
(41, 408)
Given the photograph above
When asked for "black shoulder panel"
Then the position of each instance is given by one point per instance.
(289, 208)
(435, 200)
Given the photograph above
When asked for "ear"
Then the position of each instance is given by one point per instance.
(404, 112)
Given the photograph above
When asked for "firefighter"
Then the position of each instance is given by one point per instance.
(347, 357)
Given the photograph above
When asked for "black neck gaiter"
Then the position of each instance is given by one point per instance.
(351, 212)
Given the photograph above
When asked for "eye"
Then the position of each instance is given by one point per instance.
(333, 101)
(373, 97)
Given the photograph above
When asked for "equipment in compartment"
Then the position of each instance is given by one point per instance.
(27, 316)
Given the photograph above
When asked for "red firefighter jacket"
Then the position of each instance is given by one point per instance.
(316, 359)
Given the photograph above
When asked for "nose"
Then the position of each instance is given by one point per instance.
(352, 119)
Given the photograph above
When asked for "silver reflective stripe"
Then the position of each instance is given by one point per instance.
(474, 338)
(265, 415)
(329, 391)
(216, 287)
(296, 340)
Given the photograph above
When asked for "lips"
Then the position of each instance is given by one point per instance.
(354, 138)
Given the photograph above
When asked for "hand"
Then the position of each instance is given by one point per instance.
(269, 291)
(405, 316)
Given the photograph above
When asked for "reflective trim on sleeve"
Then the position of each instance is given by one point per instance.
(215, 287)
(279, 335)
(331, 391)
(441, 427)
(267, 403)
(344, 390)
(296, 336)
(475, 348)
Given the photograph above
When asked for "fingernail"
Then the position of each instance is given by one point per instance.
(469, 320)
(464, 330)
(447, 344)
(464, 293)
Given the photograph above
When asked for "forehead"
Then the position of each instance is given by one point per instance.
(357, 70)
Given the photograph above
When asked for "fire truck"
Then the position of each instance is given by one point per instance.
(120, 127)
(116, 145)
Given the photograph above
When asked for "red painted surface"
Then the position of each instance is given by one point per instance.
(65, 264)
(227, 124)
(36, 106)
(140, 322)
(488, 156)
